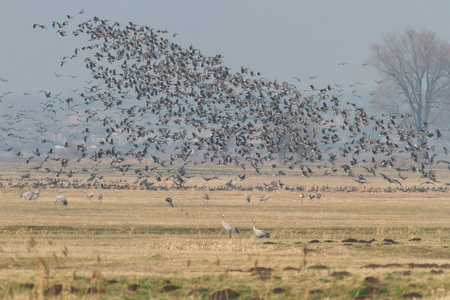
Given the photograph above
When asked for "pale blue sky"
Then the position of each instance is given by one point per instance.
(281, 39)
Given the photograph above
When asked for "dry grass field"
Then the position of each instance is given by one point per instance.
(350, 245)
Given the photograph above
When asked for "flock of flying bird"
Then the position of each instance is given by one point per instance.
(150, 99)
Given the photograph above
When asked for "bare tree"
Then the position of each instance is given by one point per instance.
(415, 79)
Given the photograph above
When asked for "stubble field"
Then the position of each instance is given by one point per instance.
(349, 245)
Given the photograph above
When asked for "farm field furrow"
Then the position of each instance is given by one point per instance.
(135, 246)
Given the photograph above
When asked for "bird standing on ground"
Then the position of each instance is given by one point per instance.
(61, 199)
(265, 198)
(260, 233)
(247, 197)
(35, 195)
(301, 195)
(204, 196)
(26, 194)
(169, 200)
(100, 197)
(90, 195)
(229, 227)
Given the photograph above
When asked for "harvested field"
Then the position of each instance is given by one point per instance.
(348, 245)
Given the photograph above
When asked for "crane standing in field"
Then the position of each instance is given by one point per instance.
(169, 200)
(61, 199)
(204, 196)
(260, 233)
(90, 195)
(247, 197)
(26, 194)
(35, 195)
(229, 227)
(315, 195)
(100, 197)
(301, 195)
(265, 198)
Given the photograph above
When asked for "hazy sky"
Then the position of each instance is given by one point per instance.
(280, 39)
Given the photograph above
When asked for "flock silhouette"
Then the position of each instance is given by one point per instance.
(154, 107)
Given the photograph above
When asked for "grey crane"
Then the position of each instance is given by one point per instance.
(247, 197)
(61, 199)
(301, 195)
(318, 196)
(204, 196)
(315, 195)
(260, 233)
(169, 200)
(229, 227)
(26, 194)
(35, 195)
(90, 195)
(265, 198)
(100, 197)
